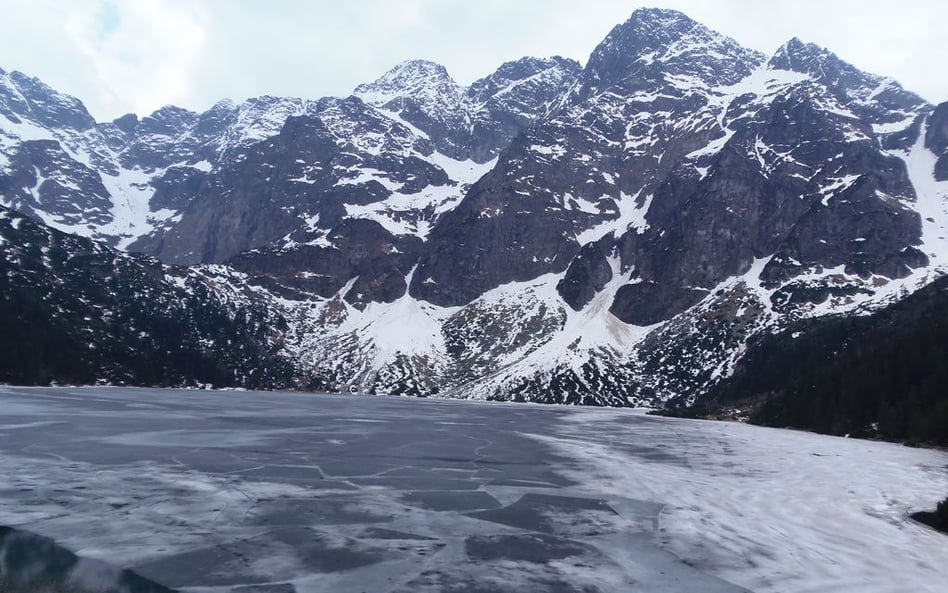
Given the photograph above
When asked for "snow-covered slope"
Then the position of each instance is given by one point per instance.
(609, 234)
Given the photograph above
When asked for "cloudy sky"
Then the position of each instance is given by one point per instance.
(122, 56)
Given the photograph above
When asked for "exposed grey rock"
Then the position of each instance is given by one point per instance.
(23, 98)
(71, 190)
(654, 43)
(358, 249)
(501, 232)
(936, 139)
(588, 273)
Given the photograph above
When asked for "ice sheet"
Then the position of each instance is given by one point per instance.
(208, 491)
(775, 510)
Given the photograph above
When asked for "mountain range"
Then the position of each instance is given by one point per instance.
(614, 233)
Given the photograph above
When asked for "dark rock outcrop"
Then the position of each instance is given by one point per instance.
(31, 562)
(588, 273)
(936, 140)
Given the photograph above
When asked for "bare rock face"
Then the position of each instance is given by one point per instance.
(936, 140)
(795, 182)
(69, 188)
(23, 98)
(719, 225)
(588, 273)
(655, 43)
(611, 233)
(513, 98)
(359, 250)
(31, 561)
(499, 233)
(249, 203)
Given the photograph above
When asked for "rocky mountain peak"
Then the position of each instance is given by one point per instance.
(223, 105)
(169, 120)
(876, 98)
(416, 79)
(215, 119)
(126, 123)
(660, 21)
(26, 98)
(268, 113)
(528, 66)
(806, 58)
(537, 70)
(824, 66)
(656, 43)
(229, 126)
(467, 123)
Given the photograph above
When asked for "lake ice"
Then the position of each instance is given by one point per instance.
(279, 492)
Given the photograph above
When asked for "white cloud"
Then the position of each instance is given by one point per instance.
(143, 52)
(195, 52)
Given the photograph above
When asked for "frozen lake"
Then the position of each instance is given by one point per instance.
(282, 492)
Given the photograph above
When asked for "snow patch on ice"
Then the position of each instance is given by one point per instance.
(774, 510)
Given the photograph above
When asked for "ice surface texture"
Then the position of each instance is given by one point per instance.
(267, 492)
